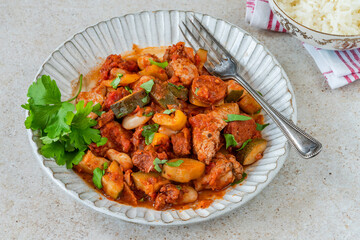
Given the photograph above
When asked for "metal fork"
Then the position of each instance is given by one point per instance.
(222, 64)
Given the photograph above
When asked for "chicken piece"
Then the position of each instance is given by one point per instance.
(114, 132)
(222, 111)
(178, 51)
(127, 177)
(90, 162)
(184, 69)
(182, 142)
(206, 135)
(96, 95)
(168, 194)
(137, 139)
(242, 130)
(114, 96)
(100, 151)
(144, 159)
(128, 195)
(104, 119)
(115, 61)
(208, 89)
(222, 171)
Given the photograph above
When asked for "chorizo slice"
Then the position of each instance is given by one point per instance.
(208, 89)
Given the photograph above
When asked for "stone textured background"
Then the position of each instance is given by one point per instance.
(309, 199)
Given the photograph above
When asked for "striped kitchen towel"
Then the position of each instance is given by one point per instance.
(339, 67)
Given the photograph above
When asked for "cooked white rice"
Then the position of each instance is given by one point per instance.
(330, 16)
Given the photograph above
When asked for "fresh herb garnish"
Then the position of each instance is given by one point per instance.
(237, 117)
(244, 175)
(178, 187)
(169, 111)
(156, 163)
(196, 90)
(65, 134)
(96, 109)
(128, 89)
(142, 199)
(162, 65)
(261, 127)
(149, 132)
(116, 81)
(178, 87)
(149, 114)
(147, 86)
(259, 93)
(230, 140)
(175, 164)
(257, 112)
(244, 144)
(98, 173)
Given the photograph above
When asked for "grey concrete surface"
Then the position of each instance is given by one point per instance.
(309, 199)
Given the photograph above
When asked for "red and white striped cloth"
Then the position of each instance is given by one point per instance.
(339, 67)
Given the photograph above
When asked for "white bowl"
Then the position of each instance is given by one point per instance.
(314, 37)
(84, 51)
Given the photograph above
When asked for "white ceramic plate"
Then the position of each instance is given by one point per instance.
(83, 51)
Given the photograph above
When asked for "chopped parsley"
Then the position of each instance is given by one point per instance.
(196, 90)
(96, 109)
(162, 65)
(261, 127)
(149, 114)
(128, 89)
(169, 111)
(175, 164)
(237, 117)
(156, 163)
(230, 140)
(244, 175)
(244, 144)
(147, 86)
(98, 173)
(178, 187)
(116, 81)
(178, 87)
(257, 112)
(149, 132)
(259, 93)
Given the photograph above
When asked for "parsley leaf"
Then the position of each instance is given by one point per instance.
(116, 81)
(178, 187)
(169, 111)
(175, 164)
(244, 144)
(230, 140)
(128, 89)
(261, 127)
(162, 65)
(237, 117)
(96, 109)
(257, 112)
(44, 91)
(196, 90)
(259, 93)
(156, 163)
(244, 175)
(147, 86)
(148, 114)
(178, 87)
(149, 132)
(145, 99)
(98, 173)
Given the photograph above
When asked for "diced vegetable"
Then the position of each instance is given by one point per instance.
(90, 162)
(189, 170)
(122, 158)
(159, 138)
(129, 78)
(148, 182)
(175, 122)
(252, 151)
(129, 103)
(234, 91)
(249, 105)
(154, 71)
(132, 121)
(113, 180)
(181, 93)
(200, 58)
(189, 195)
(162, 95)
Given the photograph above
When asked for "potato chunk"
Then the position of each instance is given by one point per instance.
(149, 183)
(189, 195)
(122, 158)
(90, 162)
(189, 170)
(113, 180)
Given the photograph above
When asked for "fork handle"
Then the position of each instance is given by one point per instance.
(306, 145)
